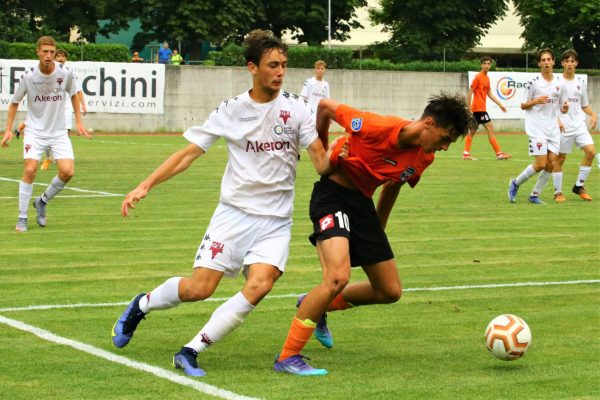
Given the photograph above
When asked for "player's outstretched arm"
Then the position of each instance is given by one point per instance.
(325, 114)
(176, 163)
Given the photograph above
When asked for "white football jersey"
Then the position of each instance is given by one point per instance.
(313, 91)
(46, 97)
(263, 143)
(541, 119)
(576, 92)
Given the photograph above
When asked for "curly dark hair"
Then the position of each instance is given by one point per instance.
(450, 111)
(260, 41)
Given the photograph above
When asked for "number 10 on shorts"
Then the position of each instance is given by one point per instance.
(328, 222)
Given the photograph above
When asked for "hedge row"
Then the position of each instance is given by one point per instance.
(84, 52)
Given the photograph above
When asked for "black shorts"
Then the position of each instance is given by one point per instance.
(481, 117)
(338, 211)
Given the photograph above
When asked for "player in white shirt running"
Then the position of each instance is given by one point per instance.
(48, 86)
(573, 127)
(544, 99)
(316, 88)
(264, 129)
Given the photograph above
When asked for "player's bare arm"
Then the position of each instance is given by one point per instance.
(78, 121)
(175, 164)
(325, 114)
(593, 116)
(533, 102)
(495, 100)
(469, 97)
(387, 199)
(12, 112)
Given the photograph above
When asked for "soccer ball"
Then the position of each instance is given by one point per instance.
(507, 337)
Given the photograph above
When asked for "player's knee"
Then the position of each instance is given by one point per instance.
(259, 288)
(66, 176)
(29, 174)
(337, 282)
(392, 294)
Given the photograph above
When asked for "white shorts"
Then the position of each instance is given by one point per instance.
(581, 139)
(34, 146)
(235, 239)
(540, 146)
(69, 118)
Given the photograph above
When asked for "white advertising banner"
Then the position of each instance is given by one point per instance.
(107, 87)
(509, 89)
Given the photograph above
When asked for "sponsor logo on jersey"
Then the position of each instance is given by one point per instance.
(407, 173)
(356, 124)
(248, 119)
(258, 147)
(285, 115)
(288, 130)
(216, 248)
(326, 222)
(278, 129)
(43, 98)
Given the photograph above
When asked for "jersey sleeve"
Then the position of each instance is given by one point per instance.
(529, 90)
(214, 127)
(72, 85)
(475, 84)
(304, 91)
(20, 91)
(307, 129)
(584, 95)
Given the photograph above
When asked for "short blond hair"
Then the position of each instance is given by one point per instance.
(45, 40)
(319, 63)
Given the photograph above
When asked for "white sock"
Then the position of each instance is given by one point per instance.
(25, 191)
(557, 180)
(583, 174)
(223, 320)
(55, 187)
(541, 183)
(525, 175)
(163, 297)
(598, 159)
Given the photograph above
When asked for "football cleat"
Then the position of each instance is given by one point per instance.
(535, 200)
(21, 225)
(185, 359)
(296, 365)
(322, 332)
(126, 324)
(468, 157)
(580, 191)
(559, 197)
(503, 156)
(40, 208)
(512, 190)
(17, 133)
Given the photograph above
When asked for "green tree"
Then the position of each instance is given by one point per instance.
(424, 29)
(195, 21)
(308, 19)
(561, 25)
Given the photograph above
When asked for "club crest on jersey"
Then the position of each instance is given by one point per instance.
(407, 173)
(284, 115)
(356, 124)
(59, 80)
(326, 222)
(216, 248)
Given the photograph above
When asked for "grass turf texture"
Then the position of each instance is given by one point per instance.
(455, 228)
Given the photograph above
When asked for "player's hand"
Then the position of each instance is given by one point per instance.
(7, 138)
(565, 107)
(561, 126)
(594, 121)
(503, 108)
(131, 199)
(541, 100)
(344, 150)
(83, 132)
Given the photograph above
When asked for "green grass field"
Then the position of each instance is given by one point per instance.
(456, 228)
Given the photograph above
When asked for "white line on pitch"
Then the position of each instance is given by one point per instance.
(66, 188)
(295, 295)
(140, 366)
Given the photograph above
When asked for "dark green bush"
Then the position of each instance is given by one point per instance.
(84, 52)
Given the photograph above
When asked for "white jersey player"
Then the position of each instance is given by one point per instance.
(543, 101)
(264, 130)
(48, 86)
(316, 88)
(573, 126)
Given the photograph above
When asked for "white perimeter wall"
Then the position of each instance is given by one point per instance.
(192, 92)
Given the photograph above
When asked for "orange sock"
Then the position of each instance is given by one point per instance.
(468, 142)
(495, 145)
(297, 337)
(338, 303)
